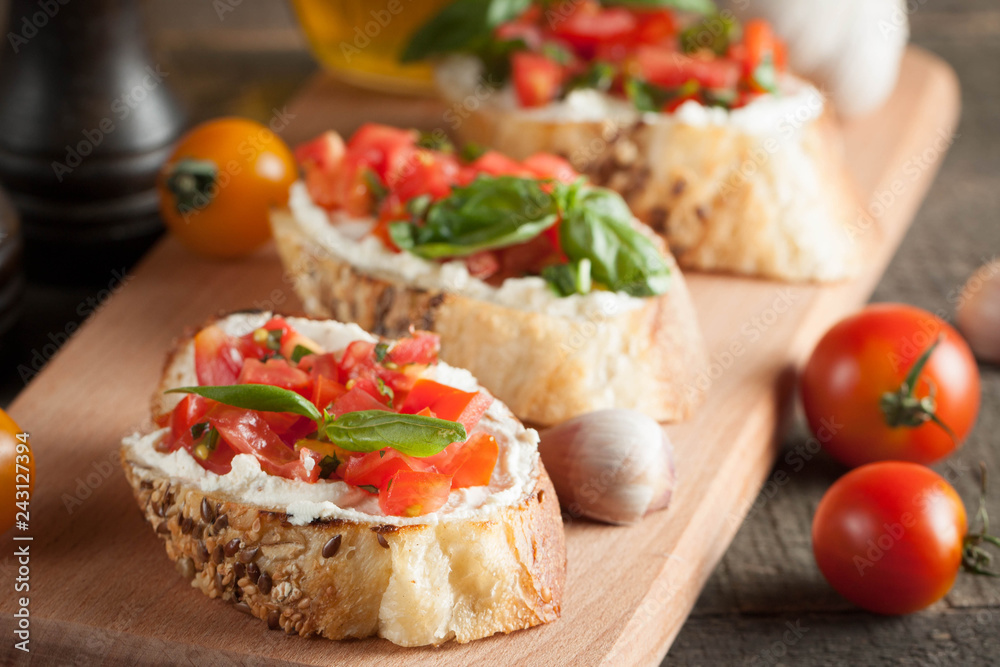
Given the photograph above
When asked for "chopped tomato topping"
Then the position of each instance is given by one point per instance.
(375, 468)
(421, 347)
(537, 79)
(671, 70)
(275, 372)
(247, 433)
(218, 357)
(476, 460)
(547, 165)
(414, 493)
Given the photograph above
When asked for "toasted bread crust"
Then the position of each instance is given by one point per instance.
(499, 575)
(546, 369)
(724, 200)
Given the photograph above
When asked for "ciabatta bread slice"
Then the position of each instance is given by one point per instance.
(492, 560)
(548, 358)
(762, 190)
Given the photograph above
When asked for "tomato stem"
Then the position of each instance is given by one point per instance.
(975, 559)
(191, 181)
(903, 408)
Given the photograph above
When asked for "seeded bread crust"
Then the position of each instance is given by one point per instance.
(413, 585)
(723, 200)
(546, 369)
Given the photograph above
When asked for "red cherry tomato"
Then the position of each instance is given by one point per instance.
(889, 536)
(851, 387)
(413, 493)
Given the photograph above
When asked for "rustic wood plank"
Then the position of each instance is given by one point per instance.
(88, 533)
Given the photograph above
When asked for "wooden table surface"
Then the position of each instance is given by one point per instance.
(766, 603)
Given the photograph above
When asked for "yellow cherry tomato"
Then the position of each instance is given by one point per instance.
(219, 184)
(17, 469)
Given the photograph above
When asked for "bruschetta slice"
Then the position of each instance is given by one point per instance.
(333, 483)
(543, 286)
(693, 119)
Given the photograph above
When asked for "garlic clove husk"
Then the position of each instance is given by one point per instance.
(978, 313)
(612, 465)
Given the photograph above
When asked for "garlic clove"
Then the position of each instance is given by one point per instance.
(978, 313)
(612, 465)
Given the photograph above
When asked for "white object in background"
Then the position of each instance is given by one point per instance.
(851, 48)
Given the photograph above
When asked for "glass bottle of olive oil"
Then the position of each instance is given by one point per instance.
(360, 40)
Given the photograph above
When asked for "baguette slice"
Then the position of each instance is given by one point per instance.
(496, 563)
(761, 191)
(547, 366)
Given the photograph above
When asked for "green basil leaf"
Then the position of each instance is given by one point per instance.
(328, 465)
(765, 76)
(462, 26)
(489, 213)
(262, 397)
(597, 225)
(569, 278)
(713, 32)
(645, 96)
(694, 6)
(599, 76)
(299, 352)
(413, 435)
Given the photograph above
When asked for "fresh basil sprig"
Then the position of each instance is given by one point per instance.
(362, 431)
(489, 213)
(693, 6)
(462, 26)
(261, 397)
(597, 225)
(413, 435)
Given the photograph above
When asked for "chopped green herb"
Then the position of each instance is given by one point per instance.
(273, 340)
(714, 32)
(381, 349)
(369, 488)
(471, 152)
(328, 466)
(436, 141)
(198, 430)
(385, 390)
(299, 352)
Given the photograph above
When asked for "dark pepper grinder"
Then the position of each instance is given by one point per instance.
(87, 118)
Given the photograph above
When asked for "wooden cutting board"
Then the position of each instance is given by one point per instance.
(101, 586)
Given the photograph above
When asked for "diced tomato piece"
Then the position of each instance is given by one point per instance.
(447, 402)
(589, 26)
(655, 27)
(412, 493)
(760, 43)
(483, 264)
(529, 33)
(322, 160)
(275, 372)
(537, 79)
(547, 165)
(421, 347)
(671, 69)
(324, 365)
(528, 258)
(247, 433)
(355, 400)
(426, 172)
(328, 449)
(326, 391)
(383, 149)
(358, 355)
(495, 163)
(218, 357)
(375, 468)
(478, 459)
(190, 411)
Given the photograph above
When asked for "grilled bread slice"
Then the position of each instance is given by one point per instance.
(761, 190)
(492, 560)
(548, 359)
